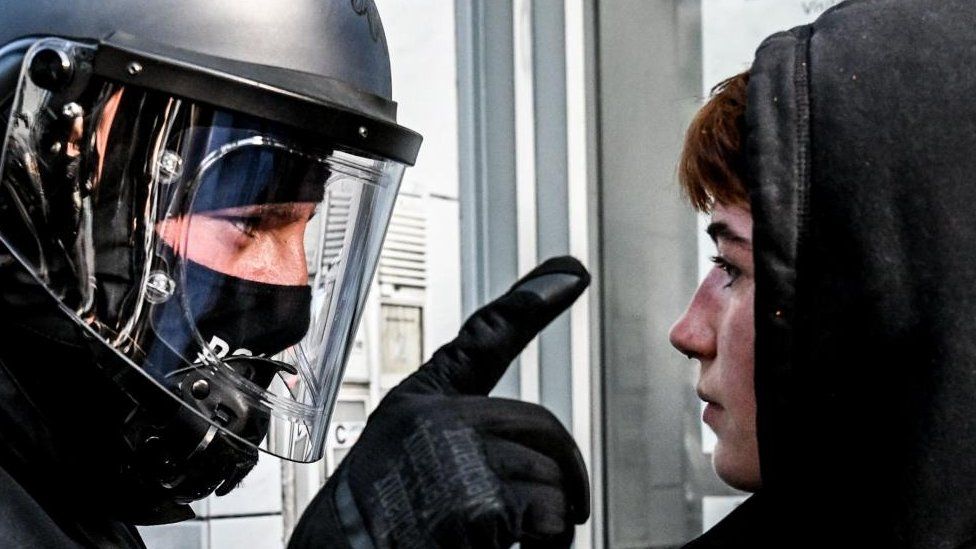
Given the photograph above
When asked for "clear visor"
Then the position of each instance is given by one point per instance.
(225, 257)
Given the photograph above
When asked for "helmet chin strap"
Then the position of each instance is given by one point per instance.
(188, 453)
(173, 448)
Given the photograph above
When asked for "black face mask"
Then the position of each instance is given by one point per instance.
(179, 456)
(235, 317)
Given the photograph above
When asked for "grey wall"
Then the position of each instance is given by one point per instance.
(648, 467)
(649, 66)
(552, 194)
(486, 126)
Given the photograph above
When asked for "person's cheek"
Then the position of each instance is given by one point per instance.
(737, 360)
(291, 254)
(215, 243)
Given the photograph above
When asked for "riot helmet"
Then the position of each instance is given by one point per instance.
(203, 189)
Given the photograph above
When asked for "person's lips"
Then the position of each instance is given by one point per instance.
(712, 408)
(710, 415)
(704, 395)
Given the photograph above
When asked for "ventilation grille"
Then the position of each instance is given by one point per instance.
(336, 216)
(403, 261)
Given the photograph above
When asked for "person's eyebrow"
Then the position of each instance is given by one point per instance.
(721, 229)
(275, 210)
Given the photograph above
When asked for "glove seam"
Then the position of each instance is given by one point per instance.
(350, 520)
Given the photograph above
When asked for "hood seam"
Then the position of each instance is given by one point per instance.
(802, 160)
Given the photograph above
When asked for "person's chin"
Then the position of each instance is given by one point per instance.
(739, 469)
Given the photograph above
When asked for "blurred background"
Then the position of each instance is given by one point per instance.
(550, 127)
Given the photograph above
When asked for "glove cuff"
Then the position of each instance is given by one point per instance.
(332, 519)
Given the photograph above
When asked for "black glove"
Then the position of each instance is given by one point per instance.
(440, 464)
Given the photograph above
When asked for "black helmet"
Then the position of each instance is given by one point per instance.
(201, 190)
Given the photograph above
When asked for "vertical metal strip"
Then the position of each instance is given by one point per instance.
(525, 174)
(549, 45)
(471, 153)
(581, 190)
(486, 124)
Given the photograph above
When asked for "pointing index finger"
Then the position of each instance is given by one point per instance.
(495, 334)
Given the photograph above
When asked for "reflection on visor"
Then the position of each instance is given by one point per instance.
(261, 243)
(259, 171)
(251, 202)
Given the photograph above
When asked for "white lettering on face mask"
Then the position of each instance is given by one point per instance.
(219, 348)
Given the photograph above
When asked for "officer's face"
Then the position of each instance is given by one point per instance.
(262, 243)
(717, 329)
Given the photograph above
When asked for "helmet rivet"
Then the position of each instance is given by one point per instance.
(134, 68)
(72, 111)
(51, 69)
(200, 389)
(363, 132)
(159, 287)
(170, 166)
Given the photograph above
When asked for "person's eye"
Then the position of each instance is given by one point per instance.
(731, 270)
(245, 224)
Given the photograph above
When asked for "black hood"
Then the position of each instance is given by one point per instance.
(861, 147)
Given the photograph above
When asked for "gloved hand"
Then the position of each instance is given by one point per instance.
(440, 464)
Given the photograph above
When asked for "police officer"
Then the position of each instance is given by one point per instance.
(192, 202)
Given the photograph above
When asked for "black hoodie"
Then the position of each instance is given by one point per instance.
(861, 154)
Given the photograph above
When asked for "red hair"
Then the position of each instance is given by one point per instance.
(710, 170)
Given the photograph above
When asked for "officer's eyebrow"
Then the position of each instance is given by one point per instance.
(280, 210)
(721, 230)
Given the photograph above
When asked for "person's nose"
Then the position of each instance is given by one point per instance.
(693, 334)
(277, 257)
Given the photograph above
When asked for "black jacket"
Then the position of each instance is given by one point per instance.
(56, 474)
(861, 154)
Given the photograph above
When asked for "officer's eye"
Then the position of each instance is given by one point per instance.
(247, 225)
